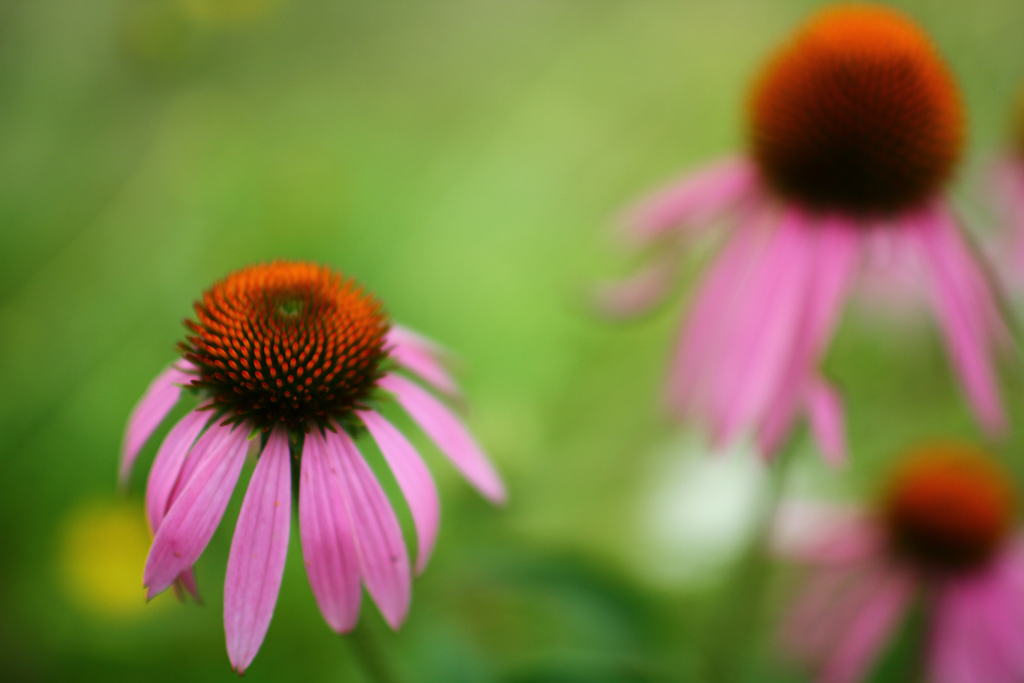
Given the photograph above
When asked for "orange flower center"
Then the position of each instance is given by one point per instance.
(949, 508)
(858, 113)
(291, 343)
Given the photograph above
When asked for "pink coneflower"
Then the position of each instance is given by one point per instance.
(855, 127)
(943, 535)
(290, 361)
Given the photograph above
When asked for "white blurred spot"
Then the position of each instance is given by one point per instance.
(702, 508)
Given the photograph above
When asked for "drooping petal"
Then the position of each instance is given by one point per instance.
(825, 535)
(167, 465)
(448, 432)
(958, 260)
(876, 618)
(188, 467)
(328, 540)
(696, 360)
(413, 478)
(186, 583)
(638, 293)
(892, 286)
(834, 261)
(421, 356)
(160, 396)
(383, 559)
(817, 623)
(1002, 611)
(778, 421)
(825, 410)
(165, 478)
(978, 623)
(954, 653)
(967, 315)
(801, 634)
(258, 551)
(195, 514)
(693, 201)
(758, 352)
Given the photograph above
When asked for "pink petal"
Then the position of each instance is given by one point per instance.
(149, 412)
(947, 663)
(192, 460)
(961, 263)
(866, 635)
(640, 292)
(328, 541)
(891, 285)
(383, 560)
(448, 433)
(695, 200)
(164, 480)
(167, 465)
(258, 552)
(779, 420)
(1002, 609)
(825, 409)
(422, 357)
(413, 478)
(966, 314)
(942, 655)
(955, 653)
(195, 514)
(759, 349)
(825, 535)
(816, 623)
(835, 257)
(697, 358)
(186, 583)
(837, 261)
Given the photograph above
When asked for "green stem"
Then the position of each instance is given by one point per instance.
(367, 650)
(736, 625)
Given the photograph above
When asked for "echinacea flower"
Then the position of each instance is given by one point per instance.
(943, 534)
(855, 127)
(290, 362)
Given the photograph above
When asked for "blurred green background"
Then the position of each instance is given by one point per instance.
(463, 160)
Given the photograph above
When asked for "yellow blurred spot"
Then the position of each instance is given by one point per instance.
(228, 11)
(102, 553)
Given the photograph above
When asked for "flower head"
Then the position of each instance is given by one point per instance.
(942, 532)
(291, 362)
(857, 113)
(855, 126)
(291, 344)
(948, 508)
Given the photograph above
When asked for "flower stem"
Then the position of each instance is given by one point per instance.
(736, 624)
(365, 645)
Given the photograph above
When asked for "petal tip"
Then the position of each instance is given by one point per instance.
(497, 494)
(396, 619)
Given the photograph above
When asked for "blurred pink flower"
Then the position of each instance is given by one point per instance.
(290, 360)
(855, 127)
(942, 534)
